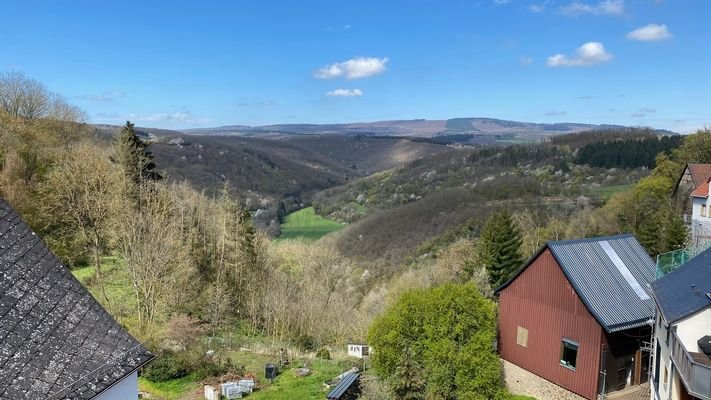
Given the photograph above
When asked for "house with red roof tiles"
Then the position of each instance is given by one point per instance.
(693, 176)
(701, 214)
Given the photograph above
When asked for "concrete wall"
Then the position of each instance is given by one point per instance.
(126, 389)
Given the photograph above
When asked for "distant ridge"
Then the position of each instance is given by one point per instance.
(420, 128)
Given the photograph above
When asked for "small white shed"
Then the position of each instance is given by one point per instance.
(359, 350)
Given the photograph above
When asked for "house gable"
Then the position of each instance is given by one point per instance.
(537, 311)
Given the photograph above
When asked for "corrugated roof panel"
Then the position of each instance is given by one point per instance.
(609, 292)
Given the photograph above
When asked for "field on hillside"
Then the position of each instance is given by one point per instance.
(305, 224)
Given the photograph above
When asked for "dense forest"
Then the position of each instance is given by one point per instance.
(627, 153)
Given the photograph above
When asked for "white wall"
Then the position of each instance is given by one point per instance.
(693, 328)
(700, 225)
(660, 334)
(127, 389)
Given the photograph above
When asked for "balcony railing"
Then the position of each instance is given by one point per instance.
(694, 369)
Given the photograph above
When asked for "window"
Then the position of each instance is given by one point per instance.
(522, 337)
(569, 353)
(703, 210)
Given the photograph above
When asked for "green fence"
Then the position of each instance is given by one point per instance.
(668, 262)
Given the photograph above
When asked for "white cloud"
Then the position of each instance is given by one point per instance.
(590, 53)
(345, 93)
(501, 2)
(605, 7)
(525, 60)
(650, 33)
(355, 68)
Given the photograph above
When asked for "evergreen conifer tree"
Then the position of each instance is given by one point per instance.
(500, 247)
(676, 234)
(137, 162)
(408, 382)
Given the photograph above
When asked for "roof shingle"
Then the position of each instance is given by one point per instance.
(683, 291)
(56, 340)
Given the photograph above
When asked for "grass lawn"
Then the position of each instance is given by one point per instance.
(521, 397)
(287, 386)
(307, 225)
(608, 191)
(170, 390)
(117, 283)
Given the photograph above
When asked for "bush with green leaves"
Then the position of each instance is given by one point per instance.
(438, 344)
(323, 353)
(167, 366)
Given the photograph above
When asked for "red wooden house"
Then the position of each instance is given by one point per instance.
(577, 314)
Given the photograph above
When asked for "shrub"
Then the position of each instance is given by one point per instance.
(167, 366)
(323, 353)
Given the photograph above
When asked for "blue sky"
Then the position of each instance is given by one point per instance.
(180, 64)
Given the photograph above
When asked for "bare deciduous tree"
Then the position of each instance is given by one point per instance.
(80, 193)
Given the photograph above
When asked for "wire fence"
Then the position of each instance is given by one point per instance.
(668, 262)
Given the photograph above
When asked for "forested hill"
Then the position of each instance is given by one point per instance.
(277, 174)
(414, 205)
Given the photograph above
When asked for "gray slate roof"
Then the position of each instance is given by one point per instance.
(611, 275)
(674, 294)
(56, 341)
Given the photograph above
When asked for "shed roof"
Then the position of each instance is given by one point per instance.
(611, 275)
(56, 341)
(676, 297)
(343, 386)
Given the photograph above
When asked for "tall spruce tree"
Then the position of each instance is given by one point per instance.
(676, 234)
(136, 160)
(499, 247)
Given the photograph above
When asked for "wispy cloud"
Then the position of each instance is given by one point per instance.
(501, 2)
(185, 117)
(526, 60)
(650, 33)
(252, 101)
(591, 53)
(605, 7)
(355, 68)
(345, 93)
(554, 113)
(539, 7)
(107, 116)
(643, 112)
(103, 97)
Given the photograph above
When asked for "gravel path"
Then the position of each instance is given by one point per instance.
(520, 381)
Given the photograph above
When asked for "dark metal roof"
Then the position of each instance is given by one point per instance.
(610, 275)
(674, 294)
(343, 386)
(56, 341)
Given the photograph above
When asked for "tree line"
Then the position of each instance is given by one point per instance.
(627, 153)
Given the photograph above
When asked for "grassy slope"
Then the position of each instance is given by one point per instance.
(307, 225)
